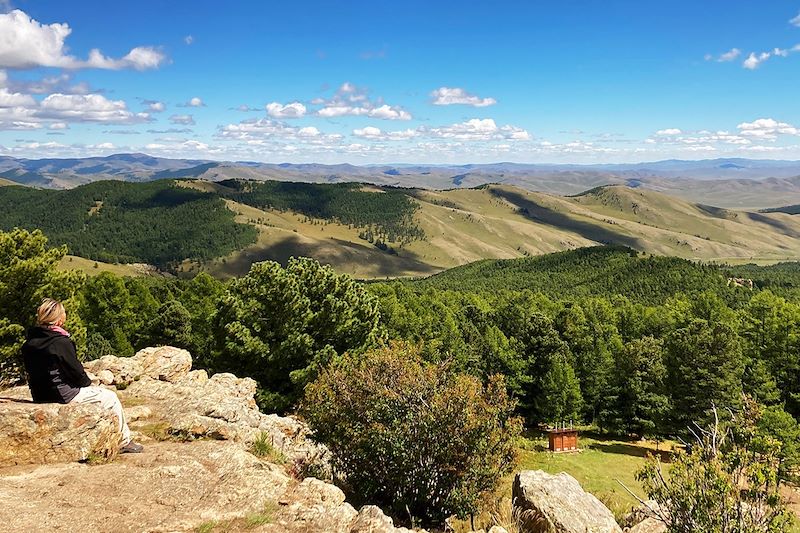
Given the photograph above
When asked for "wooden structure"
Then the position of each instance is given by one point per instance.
(563, 440)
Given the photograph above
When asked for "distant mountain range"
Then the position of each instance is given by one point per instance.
(734, 183)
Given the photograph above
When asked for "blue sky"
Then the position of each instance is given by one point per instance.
(401, 82)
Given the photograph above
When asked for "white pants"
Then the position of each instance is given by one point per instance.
(107, 400)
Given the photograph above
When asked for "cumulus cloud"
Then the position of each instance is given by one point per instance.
(455, 95)
(183, 120)
(60, 83)
(371, 132)
(258, 131)
(88, 108)
(155, 106)
(9, 99)
(691, 140)
(755, 60)
(27, 43)
(355, 101)
(767, 129)
(193, 102)
(479, 130)
(795, 21)
(291, 110)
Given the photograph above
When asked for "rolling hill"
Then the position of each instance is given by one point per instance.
(733, 182)
(377, 231)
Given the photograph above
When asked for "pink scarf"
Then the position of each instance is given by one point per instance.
(59, 329)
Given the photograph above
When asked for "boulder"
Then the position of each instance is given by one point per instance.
(164, 363)
(371, 519)
(36, 433)
(222, 407)
(123, 370)
(557, 504)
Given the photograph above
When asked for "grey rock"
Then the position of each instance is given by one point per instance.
(557, 504)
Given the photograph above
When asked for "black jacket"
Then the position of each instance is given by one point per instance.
(54, 373)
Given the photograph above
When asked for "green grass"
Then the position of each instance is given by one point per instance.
(599, 467)
(262, 447)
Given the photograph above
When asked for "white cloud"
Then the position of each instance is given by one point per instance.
(183, 120)
(59, 126)
(257, 132)
(479, 130)
(60, 83)
(101, 146)
(371, 132)
(730, 55)
(455, 95)
(352, 100)
(88, 108)
(188, 39)
(669, 131)
(291, 110)
(796, 20)
(193, 102)
(154, 106)
(9, 99)
(755, 60)
(26, 43)
(767, 129)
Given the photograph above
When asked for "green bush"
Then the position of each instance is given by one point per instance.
(417, 439)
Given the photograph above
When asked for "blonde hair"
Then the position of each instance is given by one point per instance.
(50, 313)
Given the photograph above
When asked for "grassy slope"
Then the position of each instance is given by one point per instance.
(466, 225)
(597, 467)
(73, 262)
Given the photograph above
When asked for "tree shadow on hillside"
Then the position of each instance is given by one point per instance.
(544, 215)
(631, 449)
(335, 252)
(777, 224)
(716, 212)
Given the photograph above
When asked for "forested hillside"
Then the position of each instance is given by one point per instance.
(190, 226)
(390, 211)
(113, 221)
(613, 270)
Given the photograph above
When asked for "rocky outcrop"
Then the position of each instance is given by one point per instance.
(33, 433)
(163, 363)
(179, 487)
(557, 504)
(175, 485)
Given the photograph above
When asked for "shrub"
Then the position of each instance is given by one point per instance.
(415, 438)
(728, 482)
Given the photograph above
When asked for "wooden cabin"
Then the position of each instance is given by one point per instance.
(563, 440)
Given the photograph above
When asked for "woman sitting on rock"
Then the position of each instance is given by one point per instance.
(56, 376)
